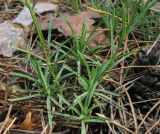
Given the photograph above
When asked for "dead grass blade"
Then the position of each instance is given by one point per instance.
(6, 119)
(116, 123)
(44, 130)
(153, 126)
(10, 125)
(133, 113)
(158, 103)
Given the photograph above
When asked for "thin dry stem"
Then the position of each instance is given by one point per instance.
(153, 126)
(158, 103)
(10, 125)
(133, 113)
(6, 119)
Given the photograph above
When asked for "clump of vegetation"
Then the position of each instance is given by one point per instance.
(90, 87)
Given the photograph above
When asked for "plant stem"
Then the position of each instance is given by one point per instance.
(38, 29)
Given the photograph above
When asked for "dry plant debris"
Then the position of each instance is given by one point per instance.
(25, 19)
(76, 22)
(16, 36)
(116, 104)
(98, 38)
(11, 37)
(66, 23)
(27, 123)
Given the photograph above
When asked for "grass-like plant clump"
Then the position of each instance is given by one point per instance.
(83, 84)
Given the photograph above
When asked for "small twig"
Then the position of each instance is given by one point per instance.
(133, 113)
(149, 113)
(6, 119)
(145, 123)
(44, 129)
(115, 123)
(10, 125)
(153, 44)
(101, 12)
(121, 126)
(126, 67)
(153, 126)
(144, 101)
(24, 131)
(44, 126)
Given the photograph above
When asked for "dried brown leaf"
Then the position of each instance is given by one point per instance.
(25, 18)
(11, 37)
(27, 123)
(76, 22)
(42, 7)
